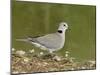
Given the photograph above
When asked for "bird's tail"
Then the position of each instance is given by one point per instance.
(25, 40)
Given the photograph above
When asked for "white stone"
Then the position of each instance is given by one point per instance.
(32, 51)
(41, 53)
(20, 52)
(67, 52)
(13, 49)
(15, 72)
(72, 68)
(57, 58)
(66, 55)
(83, 67)
(26, 59)
(92, 62)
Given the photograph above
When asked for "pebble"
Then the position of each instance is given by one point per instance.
(21, 53)
(57, 58)
(83, 67)
(41, 53)
(15, 72)
(72, 69)
(32, 51)
(13, 49)
(45, 64)
(66, 52)
(26, 60)
(92, 62)
(66, 55)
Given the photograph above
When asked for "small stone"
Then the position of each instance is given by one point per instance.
(26, 60)
(32, 51)
(21, 53)
(71, 59)
(67, 52)
(41, 53)
(78, 67)
(23, 72)
(92, 62)
(57, 58)
(66, 55)
(72, 69)
(83, 67)
(13, 49)
(45, 63)
(15, 72)
(39, 64)
(91, 65)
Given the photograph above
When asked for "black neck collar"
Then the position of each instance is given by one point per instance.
(60, 31)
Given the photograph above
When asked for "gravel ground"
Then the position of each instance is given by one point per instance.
(23, 62)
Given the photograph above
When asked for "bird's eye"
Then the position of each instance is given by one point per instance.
(64, 25)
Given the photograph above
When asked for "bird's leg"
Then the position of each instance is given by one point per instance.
(51, 52)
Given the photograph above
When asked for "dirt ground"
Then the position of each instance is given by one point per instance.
(29, 63)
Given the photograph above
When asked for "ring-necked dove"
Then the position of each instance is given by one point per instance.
(51, 42)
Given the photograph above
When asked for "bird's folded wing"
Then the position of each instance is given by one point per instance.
(50, 41)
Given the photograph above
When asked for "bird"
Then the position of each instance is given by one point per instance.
(51, 42)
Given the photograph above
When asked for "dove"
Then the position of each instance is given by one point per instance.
(51, 42)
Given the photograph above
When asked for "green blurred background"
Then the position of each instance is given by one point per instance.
(34, 18)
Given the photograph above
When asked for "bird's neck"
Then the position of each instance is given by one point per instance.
(62, 35)
(61, 32)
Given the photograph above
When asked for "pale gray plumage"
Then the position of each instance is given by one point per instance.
(50, 42)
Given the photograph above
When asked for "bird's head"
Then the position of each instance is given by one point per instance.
(62, 27)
